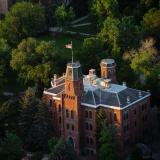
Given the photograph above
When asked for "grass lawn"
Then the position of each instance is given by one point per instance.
(62, 40)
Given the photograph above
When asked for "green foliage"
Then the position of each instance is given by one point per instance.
(144, 58)
(11, 147)
(23, 20)
(152, 22)
(4, 59)
(64, 15)
(61, 149)
(41, 129)
(104, 8)
(120, 34)
(34, 60)
(107, 142)
(136, 154)
(92, 49)
(36, 122)
(9, 114)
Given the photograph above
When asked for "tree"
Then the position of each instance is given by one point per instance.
(41, 129)
(29, 104)
(11, 147)
(23, 20)
(9, 113)
(104, 8)
(151, 21)
(64, 15)
(107, 142)
(4, 61)
(61, 149)
(35, 122)
(34, 60)
(120, 34)
(136, 154)
(92, 49)
(144, 58)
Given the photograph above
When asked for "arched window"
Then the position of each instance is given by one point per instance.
(91, 141)
(86, 126)
(67, 113)
(86, 114)
(115, 117)
(69, 87)
(59, 108)
(72, 127)
(90, 114)
(90, 127)
(72, 114)
(60, 120)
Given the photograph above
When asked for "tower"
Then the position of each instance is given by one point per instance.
(72, 99)
(74, 79)
(108, 69)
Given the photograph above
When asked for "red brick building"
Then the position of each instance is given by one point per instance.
(75, 99)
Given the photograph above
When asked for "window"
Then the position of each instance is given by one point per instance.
(59, 108)
(90, 126)
(60, 120)
(50, 102)
(67, 113)
(115, 117)
(86, 114)
(72, 114)
(67, 126)
(87, 140)
(69, 87)
(90, 114)
(91, 141)
(135, 123)
(127, 115)
(135, 111)
(86, 126)
(72, 127)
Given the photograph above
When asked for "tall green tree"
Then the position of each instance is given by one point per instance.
(61, 149)
(107, 143)
(9, 114)
(23, 20)
(29, 104)
(4, 62)
(34, 60)
(104, 8)
(152, 22)
(41, 129)
(92, 48)
(64, 15)
(11, 147)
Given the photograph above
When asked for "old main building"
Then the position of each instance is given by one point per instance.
(75, 99)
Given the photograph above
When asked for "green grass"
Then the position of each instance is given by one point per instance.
(62, 40)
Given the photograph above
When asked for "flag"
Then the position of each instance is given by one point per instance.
(68, 46)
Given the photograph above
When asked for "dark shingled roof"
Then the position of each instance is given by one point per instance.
(56, 89)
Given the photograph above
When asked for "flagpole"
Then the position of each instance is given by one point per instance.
(72, 51)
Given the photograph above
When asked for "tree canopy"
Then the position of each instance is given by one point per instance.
(34, 60)
(23, 20)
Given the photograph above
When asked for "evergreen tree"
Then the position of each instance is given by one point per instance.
(11, 147)
(41, 129)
